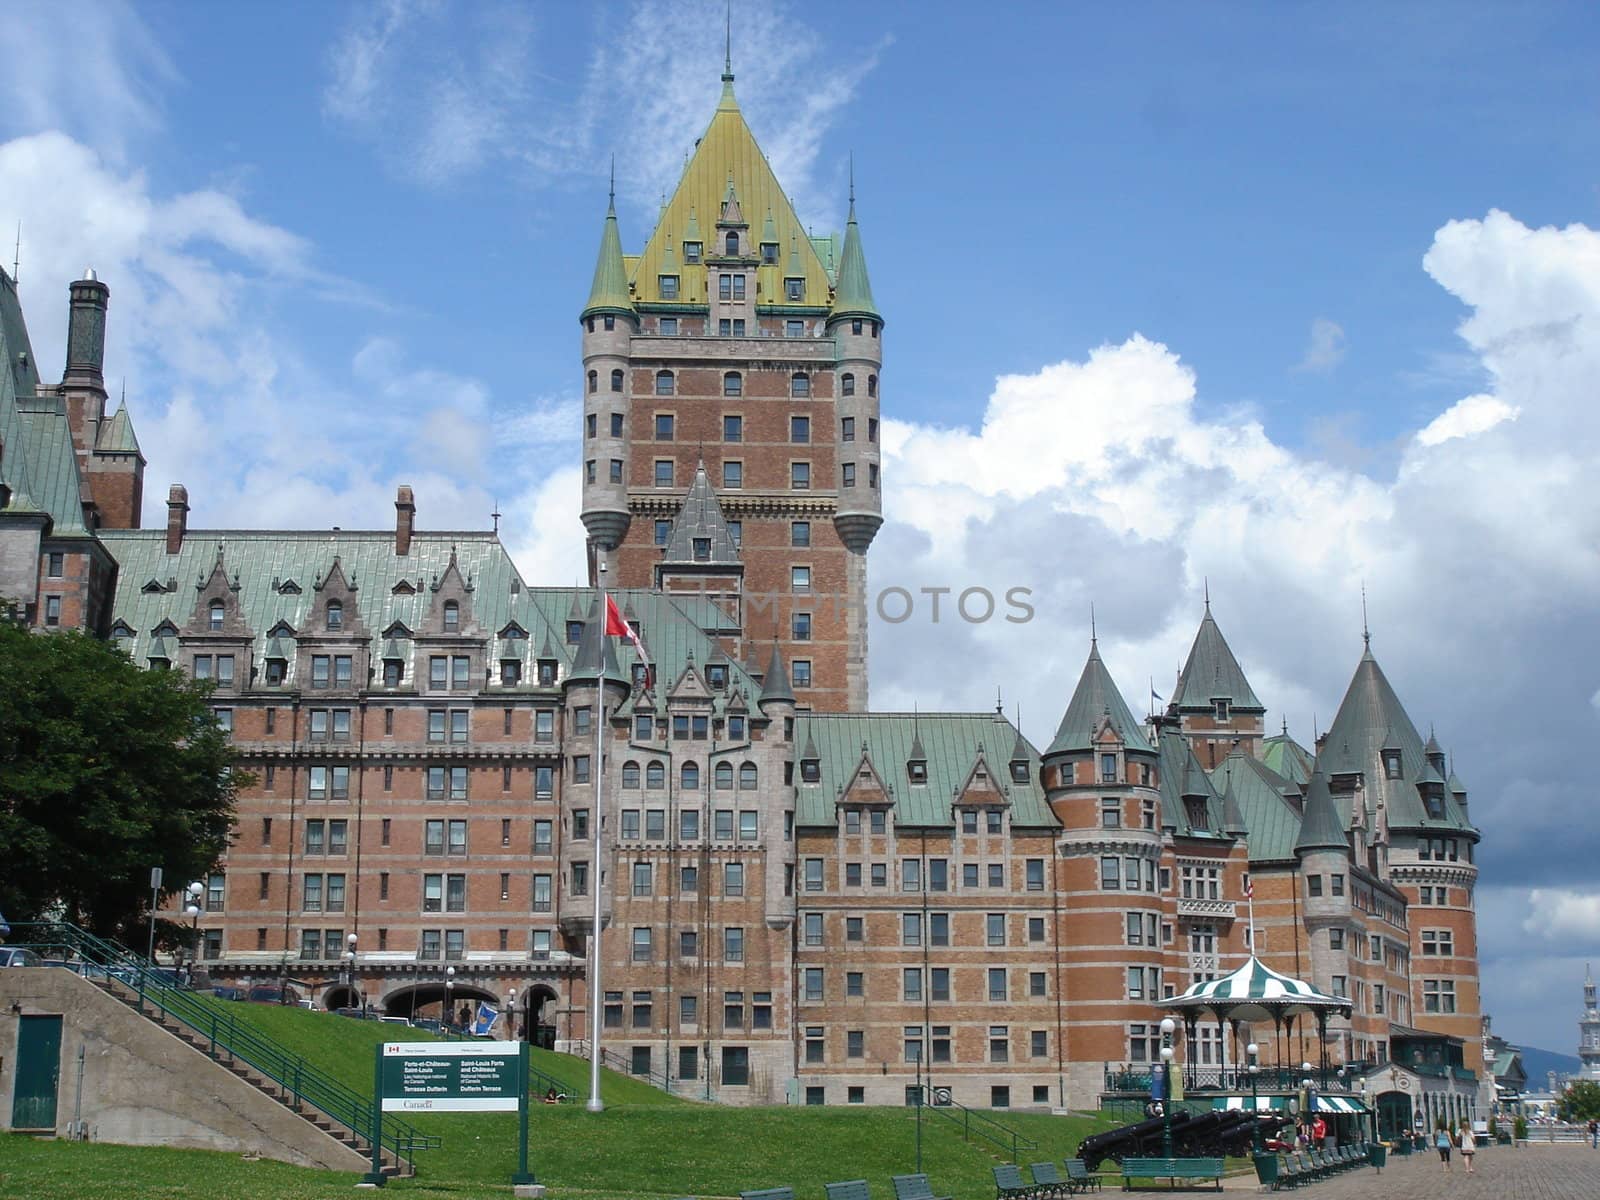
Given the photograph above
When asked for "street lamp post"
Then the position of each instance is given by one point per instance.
(1168, 1025)
(192, 910)
(350, 965)
(511, 1013)
(449, 996)
(1252, 1069)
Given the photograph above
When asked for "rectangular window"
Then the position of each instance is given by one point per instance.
(800, 476)
(1110, 873)
(999, 1044)
(643, 950)
(800, 430)
(669, 286)
(732, 477)
(995, 929)
(910, 875)
(813, 875)
(1313, 885)
(847, 429)
(813, 929)
(733, 879)
(911, 983)
(813, 983)
(939, 983)
(997, 983)
(1035, 874)
(855, 984)
(733, 944)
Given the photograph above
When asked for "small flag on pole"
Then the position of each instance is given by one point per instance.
(483, 1024)
(617, 626)
(1249, 888)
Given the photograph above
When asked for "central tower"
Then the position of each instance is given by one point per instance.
(738, 357)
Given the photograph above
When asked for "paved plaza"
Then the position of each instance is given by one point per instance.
(1563, 1171)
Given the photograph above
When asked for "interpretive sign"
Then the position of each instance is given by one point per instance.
(452, 1076)
(424, 1077)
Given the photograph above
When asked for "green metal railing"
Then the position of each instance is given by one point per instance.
(974, 1124)
(226, 1039)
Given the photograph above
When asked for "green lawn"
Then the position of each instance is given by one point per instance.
(645, 1145)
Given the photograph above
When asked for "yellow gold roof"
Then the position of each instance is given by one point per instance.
(728, 150)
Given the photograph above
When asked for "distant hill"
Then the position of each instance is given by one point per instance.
(1539, 1063)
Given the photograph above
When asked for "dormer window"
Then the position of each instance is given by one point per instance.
(215, 616)
(769, 253)
(732, 244)
(452, 617)
(1195, 808)
(277, 670)
(1391, 764)
(1108, 768)
(1435, 806)
(1019, 771)
(669, 286)
(393, 669)
(717, 676)
(547, 672)
(917, 770)
(1221, 710)
(810, 770)
(702, 549)
(641, 674)
(691, 252)
(794, 290)
(510, 672)
(574, 632)
(159, 663)
(335, 615)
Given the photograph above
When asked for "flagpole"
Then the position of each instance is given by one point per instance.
(596, 1000)
(1250, 904)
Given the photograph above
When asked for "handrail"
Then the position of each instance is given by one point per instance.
(624, 1066)
(225, 1037)
(1012, 1141)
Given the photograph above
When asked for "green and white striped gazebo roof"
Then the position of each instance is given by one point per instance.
(1255, 991)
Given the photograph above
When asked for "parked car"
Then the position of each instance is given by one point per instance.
(224, 992)
(265, 993)
(19, 956)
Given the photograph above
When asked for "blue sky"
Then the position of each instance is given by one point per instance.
(1286, 297)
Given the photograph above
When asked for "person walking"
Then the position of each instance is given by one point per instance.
(1469, 1146)
(1441, 1142)
(1594, 1134)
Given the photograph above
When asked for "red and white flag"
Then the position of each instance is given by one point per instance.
(616, 626)
(1249, 888)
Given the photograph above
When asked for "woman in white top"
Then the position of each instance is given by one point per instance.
(1469, 1146)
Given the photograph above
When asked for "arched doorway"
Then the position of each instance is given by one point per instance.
(538, 1017)
(426, 1004)
(1394, 1114)
(341, 995)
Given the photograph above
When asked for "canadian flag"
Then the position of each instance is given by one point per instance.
(617, 627)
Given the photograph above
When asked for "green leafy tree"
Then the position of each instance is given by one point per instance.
(106, 770)
(1580, 1102)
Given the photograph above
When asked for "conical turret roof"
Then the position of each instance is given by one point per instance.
(1096, 697)
(775, 687)
(609, 291)
(852, 296)
(116, 435)
(701, 518)
(1320, 827)
(596, 657)
(1212, 673)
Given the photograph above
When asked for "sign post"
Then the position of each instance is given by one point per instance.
(453, 1077)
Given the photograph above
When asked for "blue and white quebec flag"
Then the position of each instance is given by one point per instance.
(483, 1024)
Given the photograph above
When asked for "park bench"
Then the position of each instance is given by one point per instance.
(777, 1193)
(1047, 1181)
(1010, 1185)
(1078, 1171)
(1170, 1169)
(850, 1189)
(914, 1187)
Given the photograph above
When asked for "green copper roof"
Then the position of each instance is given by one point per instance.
(116, 435)
(596, 656)
(609, 291)
(1182, 776)
(852, 294)
(1370, 719)
(1287, 757)
(1213, 673)
(1320, 827)
(950, 744)
(1096, 696)
(1271, 819)
(701, 519)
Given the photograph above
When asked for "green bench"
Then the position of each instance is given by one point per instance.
(850, 1189)
(777, 1193)
(1078, 1171)
(914, 1187)
(1010, 1185)
(1170, 1169)
(1049, 1182)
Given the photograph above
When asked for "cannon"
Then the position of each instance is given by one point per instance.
(1198, 1135)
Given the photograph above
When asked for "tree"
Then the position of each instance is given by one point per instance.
(1580, 1102)
(106, 770)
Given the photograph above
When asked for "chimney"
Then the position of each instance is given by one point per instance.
(405, 519)
(86, 330)
(177, 517)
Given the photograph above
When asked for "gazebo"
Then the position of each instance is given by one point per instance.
(1254, 993)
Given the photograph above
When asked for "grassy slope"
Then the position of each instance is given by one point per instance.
(645, 1144)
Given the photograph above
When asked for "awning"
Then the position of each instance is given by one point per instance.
(1325, 1104)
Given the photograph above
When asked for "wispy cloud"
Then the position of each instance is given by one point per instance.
(484, 102)
(96, 74)
(1326, 348)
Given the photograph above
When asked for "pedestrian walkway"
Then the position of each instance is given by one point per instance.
(1541, 1171)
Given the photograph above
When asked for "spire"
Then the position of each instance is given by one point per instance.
(852, 294)
(1212, 673)
(1096, 697)
(596, 657)
(700, 520)
(727, 46)
(1366, 633)
(775, 687)
(1320, 828)
(1232, 818)
(609, 291)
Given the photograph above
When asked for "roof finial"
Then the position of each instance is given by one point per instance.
(16, 256)
(727, 46)
(852, 183)
(1205, 582)
(612, 195)
(1285, 724)
(1093, 636)
(999, 704)
(1366, 633)
(496, 516)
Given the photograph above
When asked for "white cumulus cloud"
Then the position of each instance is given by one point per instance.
(1466, 417)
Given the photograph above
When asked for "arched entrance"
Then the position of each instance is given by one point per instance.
(1394, 1114)
(341, 995)
(538, 1016)
(426, 1003)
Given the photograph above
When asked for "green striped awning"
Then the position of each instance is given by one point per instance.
(1257, 981)
(1343, 1105)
